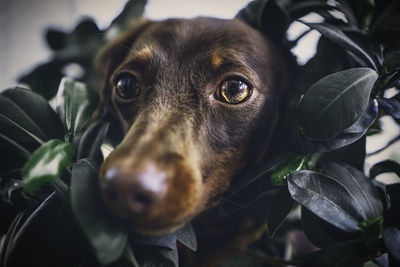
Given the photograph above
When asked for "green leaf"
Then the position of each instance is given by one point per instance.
(85, 35)
(8, 241)
(342, 197)
(128, 259)
(329, 58)
(335, 102)
(81, 45)
(132, 10)
(392, 217)
(359, 186)
(78, 107)
(91, 141)
(279, 176)
(253, 182)
(348, 137)
(372, 231)
(392, 62)
(279, 207)
(313, 230)
(385, 23)
(31, 230)
(107, 236)
(11, 163)
(26, 121)
(148, 256)
(187, 236)
(326, 198)
(367, 44)
(56, 39)
(27, 117)
(184, 235)
(252, 13)
(167, 241)
(337, 36)
(391, 239)
(46, 164)
(350, 253)
(266, 16)
(391, 107)
(365, 12)
(300, 9)
(384, 167)
(250, 176)
(11, 192)
(17, 147)
(45, 78)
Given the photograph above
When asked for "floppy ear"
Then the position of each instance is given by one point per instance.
(114, 53)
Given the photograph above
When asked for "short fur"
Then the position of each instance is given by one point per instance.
(178, 126)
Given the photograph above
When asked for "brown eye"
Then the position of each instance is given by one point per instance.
(233, 91)
(127, 86)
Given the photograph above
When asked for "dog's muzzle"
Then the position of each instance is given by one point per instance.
(152, 179)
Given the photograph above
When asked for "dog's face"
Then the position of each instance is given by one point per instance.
(195, 97)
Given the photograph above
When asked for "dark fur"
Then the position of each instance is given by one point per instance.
(177, 124)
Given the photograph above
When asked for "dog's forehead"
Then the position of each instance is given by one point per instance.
(217, 38)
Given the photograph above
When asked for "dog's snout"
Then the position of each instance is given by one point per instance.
(134, 192)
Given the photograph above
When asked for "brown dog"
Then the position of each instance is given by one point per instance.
(199, 101)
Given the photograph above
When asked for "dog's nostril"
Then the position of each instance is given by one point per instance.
(134, 192)
(141, 198)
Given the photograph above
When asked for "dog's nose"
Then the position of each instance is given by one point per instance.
(134, 192)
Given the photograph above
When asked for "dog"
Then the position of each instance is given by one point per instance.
(198, 100)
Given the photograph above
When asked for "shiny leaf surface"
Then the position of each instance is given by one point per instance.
(335, 102)
(78, 106)
(350, 253)
(106, 235)
(279, 176)
(342, 197)
(349, 136)
(26, 117)
(46, 164)
(391, 239)
(280, 206)
(337, 36)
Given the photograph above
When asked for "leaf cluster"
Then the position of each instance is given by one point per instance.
(341, 95)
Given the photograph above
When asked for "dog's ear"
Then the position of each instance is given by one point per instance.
(112, 54)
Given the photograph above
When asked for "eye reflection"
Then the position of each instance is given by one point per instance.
(128, 86)
(233, 91)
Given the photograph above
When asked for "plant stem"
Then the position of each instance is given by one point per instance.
(269, 260)
(61, 189)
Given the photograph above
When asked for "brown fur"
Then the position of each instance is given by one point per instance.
(177, 125)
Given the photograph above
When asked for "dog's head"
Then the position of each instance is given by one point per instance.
(198, 99)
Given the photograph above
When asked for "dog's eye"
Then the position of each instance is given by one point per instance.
(233, 91)
(127, 87)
